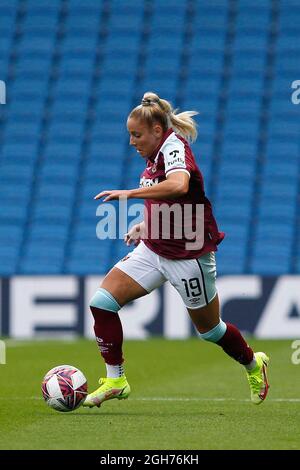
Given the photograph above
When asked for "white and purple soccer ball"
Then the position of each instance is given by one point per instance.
(64, 388)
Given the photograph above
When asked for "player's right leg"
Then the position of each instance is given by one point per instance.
(116, 290)
(131, 278)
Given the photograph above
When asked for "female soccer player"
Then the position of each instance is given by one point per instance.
(178, 248)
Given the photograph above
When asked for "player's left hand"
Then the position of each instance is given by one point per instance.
(114, 194)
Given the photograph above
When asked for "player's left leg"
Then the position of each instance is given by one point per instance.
(212, 328)
(195, 282)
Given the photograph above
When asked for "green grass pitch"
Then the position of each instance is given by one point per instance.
(185, 395)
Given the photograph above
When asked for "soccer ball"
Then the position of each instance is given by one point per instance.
(64, 388)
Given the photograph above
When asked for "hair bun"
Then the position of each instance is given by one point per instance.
(147, 102)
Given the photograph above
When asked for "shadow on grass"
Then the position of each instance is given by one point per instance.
(153, 414)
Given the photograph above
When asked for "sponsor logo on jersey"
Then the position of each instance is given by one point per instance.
(177, 159)
(177, 162)
(147, 182)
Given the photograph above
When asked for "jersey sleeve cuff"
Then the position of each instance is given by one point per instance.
(178, 169)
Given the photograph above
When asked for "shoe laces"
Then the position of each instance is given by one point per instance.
(255, 381)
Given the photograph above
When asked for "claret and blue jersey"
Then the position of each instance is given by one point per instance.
(174, 154)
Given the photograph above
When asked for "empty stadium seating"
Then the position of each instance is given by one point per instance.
(75, 68)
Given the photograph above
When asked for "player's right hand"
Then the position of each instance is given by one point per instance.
(133, 235)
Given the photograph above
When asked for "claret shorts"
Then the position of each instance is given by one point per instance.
(194, 279)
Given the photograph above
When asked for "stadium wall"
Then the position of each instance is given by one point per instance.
(57, 306)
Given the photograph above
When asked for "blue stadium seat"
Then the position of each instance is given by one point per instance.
(203, 150)
(241, 130)
(284, 133)
(71, 66)
(243, 171)
(8, 6)
(245, 105)
(64, 133)
(225, 212)
(11, 234)
(8, 260)
(87, 259)
(45, 212)
(41, 258)
(64, 173)
(228, 190)
(287, 188)
(204, 65)
(230, 260)
(25, 153)
(163, 42)
(13, 211)
(210, 17)
(251, 40)
(125, 18)
(168, 20)
(120, 66)
(86, 6)
(160, 63)
(48, 232)
(202, 86)
(242, 150)
(105, 162)
(277, 211)
(44, 249)
(16, 173)
(275, 169)
(269, 233)
(85, 232)
(19, 192)
(82, 19)
(56, 193)
(22, 131)
(240, 85)
(270, 265)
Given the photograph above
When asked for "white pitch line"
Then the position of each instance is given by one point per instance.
(16, 343)
(171, 399)
(214, 399)
(11, 343)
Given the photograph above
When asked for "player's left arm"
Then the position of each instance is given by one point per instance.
(176, 185)
(177, 171)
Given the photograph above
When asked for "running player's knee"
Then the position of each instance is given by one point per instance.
(215, 334)
(103, 300)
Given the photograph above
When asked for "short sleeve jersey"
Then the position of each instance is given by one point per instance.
(166, 235)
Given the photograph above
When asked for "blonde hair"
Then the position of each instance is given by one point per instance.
(154, 109)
